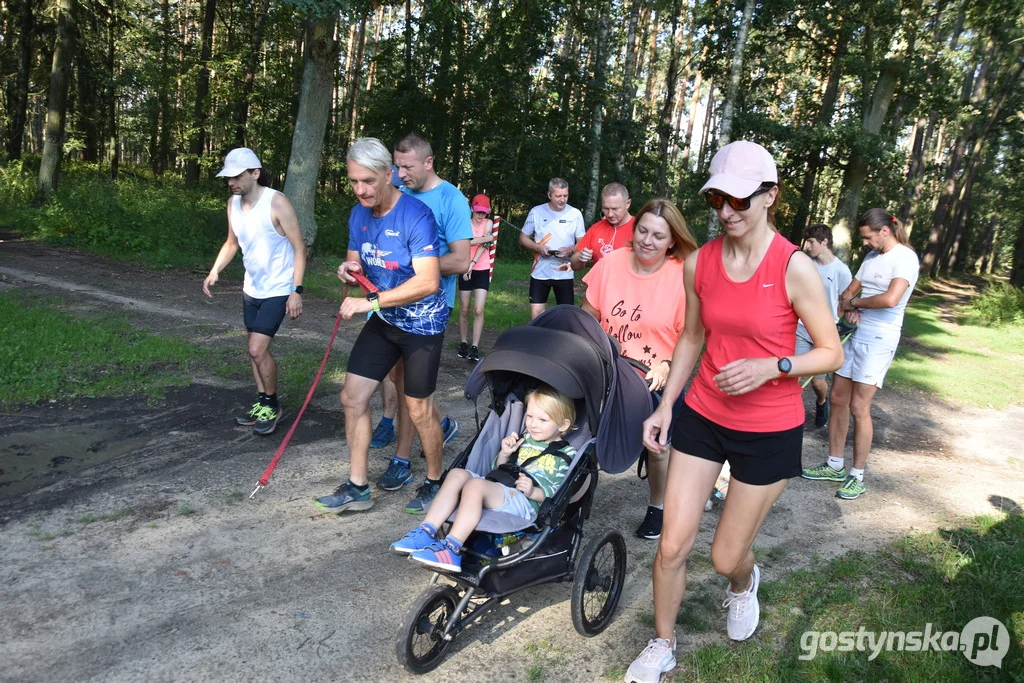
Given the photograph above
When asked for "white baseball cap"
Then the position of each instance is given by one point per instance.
(239, 161)
(739, 168)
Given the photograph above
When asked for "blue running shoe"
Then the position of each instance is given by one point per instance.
(417, 539)
(346, 497)
(424, 497)
(440, 555)
(450, 428)
(382, 435)
(396, 476)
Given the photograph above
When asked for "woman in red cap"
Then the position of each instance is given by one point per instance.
(477, 280)
(745, 291)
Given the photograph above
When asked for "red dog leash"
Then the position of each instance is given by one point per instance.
(367, 287)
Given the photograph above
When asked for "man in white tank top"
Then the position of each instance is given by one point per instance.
(262, 222)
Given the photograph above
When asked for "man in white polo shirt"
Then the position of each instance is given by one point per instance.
(551, 232)
(262, 222)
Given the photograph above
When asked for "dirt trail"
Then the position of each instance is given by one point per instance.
(153, 566)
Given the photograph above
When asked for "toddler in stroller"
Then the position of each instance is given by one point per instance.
(527, 471)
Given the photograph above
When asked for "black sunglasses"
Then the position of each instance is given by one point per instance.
(716, 200)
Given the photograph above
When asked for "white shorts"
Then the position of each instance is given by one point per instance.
(516, 503)
(866, 363)
(803, 345)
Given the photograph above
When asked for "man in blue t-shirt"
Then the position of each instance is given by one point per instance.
(414, 159)
(393, 241)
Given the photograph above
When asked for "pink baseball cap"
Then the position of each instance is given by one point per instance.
(481, 203)
(739, 168)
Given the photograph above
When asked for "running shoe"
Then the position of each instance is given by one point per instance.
(348, 496)
(474, 354)
(397, 475)
(424, 497)
(824, 472)
(657, 658)
(442, 555)
(822, 412)
(650, 528)
(851, 488)
(450, 428)
(417, 539)
(744, 609)
(463, 349)
(382, 435)
(249, 419)
(267, 419)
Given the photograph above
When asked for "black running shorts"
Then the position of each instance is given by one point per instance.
(478, 279)
(379, 346)
(263, 316)
(540, 289)
(755, 458)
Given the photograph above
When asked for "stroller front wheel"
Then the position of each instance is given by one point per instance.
(597, 584)
(420, 646)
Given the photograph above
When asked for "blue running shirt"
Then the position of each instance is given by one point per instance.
(451, 210)
(387, 246)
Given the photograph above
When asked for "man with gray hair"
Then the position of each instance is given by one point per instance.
(612, 232)
(551, 232)
(393, 241)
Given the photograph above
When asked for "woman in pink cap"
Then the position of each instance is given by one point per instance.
(745, 291)
(477, 280)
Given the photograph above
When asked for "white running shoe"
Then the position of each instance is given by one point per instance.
(657, 658)
(744, 609)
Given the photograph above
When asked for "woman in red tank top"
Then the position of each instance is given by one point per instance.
(745, 291)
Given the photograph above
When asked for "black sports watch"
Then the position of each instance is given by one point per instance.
(785, 366)
(297, 289)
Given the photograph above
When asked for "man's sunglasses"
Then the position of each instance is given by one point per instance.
(716, 200)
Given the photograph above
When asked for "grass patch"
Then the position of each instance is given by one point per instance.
(46, 353)
(185, 511)
(945, 578)
(235, 497)
(963, 362)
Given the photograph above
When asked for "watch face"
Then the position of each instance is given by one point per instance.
(785, 365)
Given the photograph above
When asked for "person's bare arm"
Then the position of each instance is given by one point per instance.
(425, 281)
(283, 214)
(224, 256)
(887, 299)
(527, 242)
(456, 261)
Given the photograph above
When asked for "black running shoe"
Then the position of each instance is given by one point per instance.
(266, 421)
(474, 354)
(249, 419)
(821, 413)
(651, 526)
(463, 349)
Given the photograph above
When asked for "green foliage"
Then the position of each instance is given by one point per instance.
(1000, 304)
(45, 353)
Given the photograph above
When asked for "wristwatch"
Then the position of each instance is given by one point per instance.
(785, 366)
(374, 299)
(297, 289)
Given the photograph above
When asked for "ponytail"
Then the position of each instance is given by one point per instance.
(876, 219)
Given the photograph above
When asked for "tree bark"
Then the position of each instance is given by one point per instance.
(1017, 269)
(251, 64)
(321, 55)
(735, 74)
(57, 100)
(165, 125)
(667, 107)
(19, 100)
(355, 77)
(627, 95)
(113, 143)
(198, 143)
(590, 211)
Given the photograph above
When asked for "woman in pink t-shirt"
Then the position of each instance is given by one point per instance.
(638, 296)
(477, 280)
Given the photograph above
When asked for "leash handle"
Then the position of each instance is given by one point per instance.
(361, 280)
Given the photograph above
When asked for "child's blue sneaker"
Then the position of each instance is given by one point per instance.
(417, 539)
(442, 555)
(382, 435)
(450, 428)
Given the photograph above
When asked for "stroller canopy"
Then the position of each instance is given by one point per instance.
(566, 348)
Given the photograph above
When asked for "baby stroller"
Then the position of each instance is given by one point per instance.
(566, 349)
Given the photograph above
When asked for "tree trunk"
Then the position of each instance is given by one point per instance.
(355, 77)
(1017, 269)
(165, 124)
(19, 100)
(57, 100)
(458, 110)
(321, 55)
(198, 143)
(735, 74)
(590, 211)
(113, 153)
(857, 168)
(251, 64)
(627, 94)
(667, 107)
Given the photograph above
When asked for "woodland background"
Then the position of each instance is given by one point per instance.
(115, 114)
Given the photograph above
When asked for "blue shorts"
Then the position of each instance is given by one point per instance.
(263, 316)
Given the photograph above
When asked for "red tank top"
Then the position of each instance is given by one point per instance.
(752, 319)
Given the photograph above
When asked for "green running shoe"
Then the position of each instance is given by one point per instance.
(266, 420)
(851, 488)
(249, 419)
(824, 472)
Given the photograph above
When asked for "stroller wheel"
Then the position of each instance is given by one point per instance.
(597, 585)
(419, 646)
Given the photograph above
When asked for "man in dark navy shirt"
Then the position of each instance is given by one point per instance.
(393, 241)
